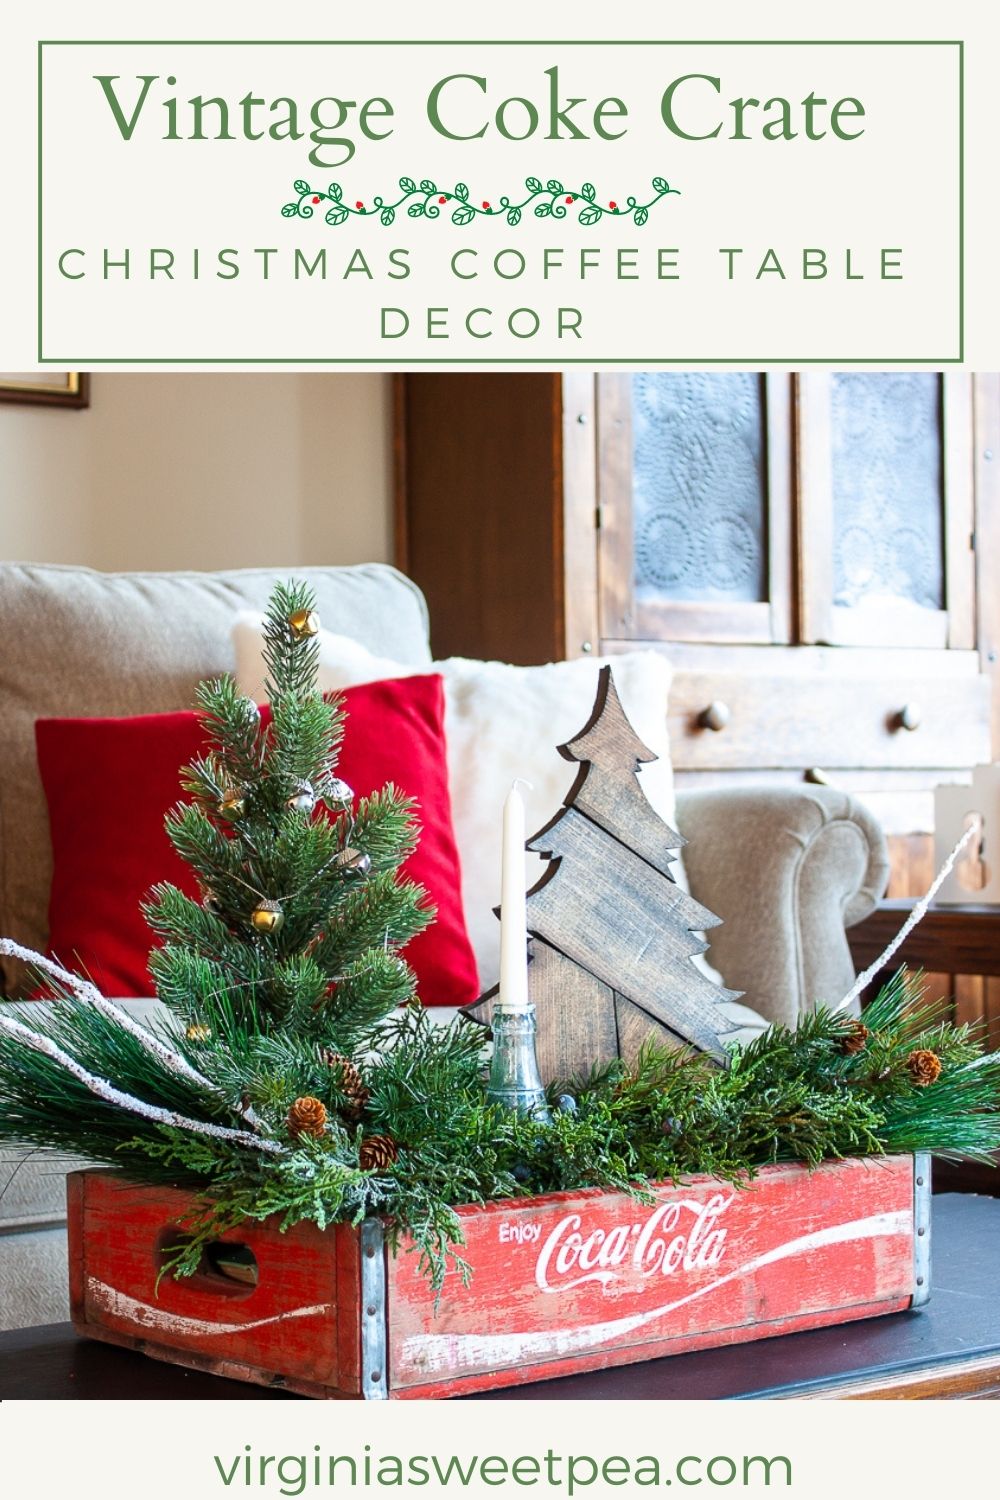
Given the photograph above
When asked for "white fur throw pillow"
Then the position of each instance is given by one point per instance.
(502, 722)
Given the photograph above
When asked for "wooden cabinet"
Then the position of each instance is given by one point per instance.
(495, 511)
(695, 495)
(815, 553)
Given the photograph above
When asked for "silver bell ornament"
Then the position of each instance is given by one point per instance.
(302, 799)
(353, 862)
(338, 793)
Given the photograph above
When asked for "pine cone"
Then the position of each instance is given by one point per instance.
(307, 1116)
(924, 1066)
(854, 1039)
(377, 1153)
(348, 1081)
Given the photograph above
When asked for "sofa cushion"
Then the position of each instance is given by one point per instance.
(76, 642)
(33, 1180)
(34, 1278)
(503, 722)
(33, 1187)
(109, 783)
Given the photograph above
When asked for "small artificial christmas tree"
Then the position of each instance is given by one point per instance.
(303, 911)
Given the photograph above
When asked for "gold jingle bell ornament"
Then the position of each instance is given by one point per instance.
(232, 806)
(198, 1032)
(267, 917)
(303, 623)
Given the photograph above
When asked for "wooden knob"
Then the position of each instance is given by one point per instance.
(716, 716)
(909, 716)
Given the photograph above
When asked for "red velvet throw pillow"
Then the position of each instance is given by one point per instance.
(109, 783)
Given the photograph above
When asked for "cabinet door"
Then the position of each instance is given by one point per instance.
(885, 513)
(694, 475)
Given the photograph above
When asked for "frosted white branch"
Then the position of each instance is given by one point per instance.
(82, 988)
(916, 915)
(128, 1102)
(88, 993)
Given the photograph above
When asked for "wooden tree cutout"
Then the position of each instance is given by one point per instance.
(612, 934)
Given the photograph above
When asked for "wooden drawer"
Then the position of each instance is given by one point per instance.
(792, 722)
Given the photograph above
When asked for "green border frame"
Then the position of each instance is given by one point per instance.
(552, 363)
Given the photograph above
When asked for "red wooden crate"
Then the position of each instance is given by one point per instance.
(568, 1282)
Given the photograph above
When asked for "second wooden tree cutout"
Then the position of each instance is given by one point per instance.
(612, 935)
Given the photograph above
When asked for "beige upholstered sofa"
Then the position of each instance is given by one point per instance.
(788, 869)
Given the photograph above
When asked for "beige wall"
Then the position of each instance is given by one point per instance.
(201, 471)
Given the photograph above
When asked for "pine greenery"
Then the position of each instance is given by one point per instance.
(257, 1015)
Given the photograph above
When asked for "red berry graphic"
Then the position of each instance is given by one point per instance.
(359, 204)
(613, 205)
(315, 200)
(569, 199)
(442, 199)
(485, 204)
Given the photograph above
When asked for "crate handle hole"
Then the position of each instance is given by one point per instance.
(226, 1267)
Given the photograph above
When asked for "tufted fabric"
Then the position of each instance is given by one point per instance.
(34, 1286)
(74, 643)
(787, 869)
(32, 1189)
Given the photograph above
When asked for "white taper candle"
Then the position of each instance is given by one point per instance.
(513, 906)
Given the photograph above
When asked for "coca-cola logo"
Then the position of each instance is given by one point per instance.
(679, 1235)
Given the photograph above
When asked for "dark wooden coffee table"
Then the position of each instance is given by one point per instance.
(949, 940)
(949, 1349)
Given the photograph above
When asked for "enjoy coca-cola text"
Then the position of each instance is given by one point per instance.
(679, 1235)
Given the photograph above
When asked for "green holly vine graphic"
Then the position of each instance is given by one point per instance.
(425, 200)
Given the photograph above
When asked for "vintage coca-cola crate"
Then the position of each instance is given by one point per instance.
(567, 1282)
